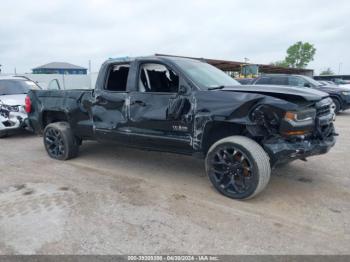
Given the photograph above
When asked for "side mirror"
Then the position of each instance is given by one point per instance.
(54, 85)
(307, 85)
(183, 90)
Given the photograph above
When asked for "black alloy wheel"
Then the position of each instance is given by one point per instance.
(60, 142)
(54, 143)
(238, 167)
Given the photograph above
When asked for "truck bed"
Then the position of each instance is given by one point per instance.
(66, 104)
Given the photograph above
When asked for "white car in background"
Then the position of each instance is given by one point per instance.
(13, 91)
(342, 83)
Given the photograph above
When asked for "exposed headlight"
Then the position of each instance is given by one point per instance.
(346, 93)
(301, 116)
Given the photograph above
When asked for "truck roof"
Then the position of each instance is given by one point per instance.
(272, 75)
(128, 59)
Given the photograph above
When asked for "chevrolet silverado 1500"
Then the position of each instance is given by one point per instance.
(189, 107)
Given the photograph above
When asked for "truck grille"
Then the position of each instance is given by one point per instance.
(324, 110)
(324, 119)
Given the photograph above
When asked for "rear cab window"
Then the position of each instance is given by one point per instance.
(117, 78)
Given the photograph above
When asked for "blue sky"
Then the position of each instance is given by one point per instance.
(33, 33)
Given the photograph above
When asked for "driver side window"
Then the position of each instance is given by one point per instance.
(158, 78)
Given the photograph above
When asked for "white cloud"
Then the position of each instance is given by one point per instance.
(37, 32)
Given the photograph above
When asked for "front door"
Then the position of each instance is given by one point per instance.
(159, 115)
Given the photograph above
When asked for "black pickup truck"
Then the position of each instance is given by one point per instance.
(189, 107)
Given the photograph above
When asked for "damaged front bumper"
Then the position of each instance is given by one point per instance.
(319, 138)
(281, 150)
(12, 119)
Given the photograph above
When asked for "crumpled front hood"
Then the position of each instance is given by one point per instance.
(284, 92)
(13, 100)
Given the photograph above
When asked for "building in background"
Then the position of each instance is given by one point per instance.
(248, 70)
(60, 68)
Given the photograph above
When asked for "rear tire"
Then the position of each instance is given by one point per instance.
(60, 142)
(238, 167)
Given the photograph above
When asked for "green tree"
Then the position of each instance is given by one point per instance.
(281, 63)
(327, 72)
(300, 54)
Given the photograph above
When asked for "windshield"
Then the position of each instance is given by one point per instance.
(204, 75)
(312, 81)
(343, 82)
(327, 83)
(15, 86)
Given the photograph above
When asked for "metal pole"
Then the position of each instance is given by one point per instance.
(340, 64)
(89, 76)
(64, 83)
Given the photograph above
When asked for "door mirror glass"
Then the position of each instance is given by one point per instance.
(307, 85)
(183, 90)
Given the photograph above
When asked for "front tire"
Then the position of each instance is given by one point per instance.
(337, 105)
(238, 167)
(60, 142)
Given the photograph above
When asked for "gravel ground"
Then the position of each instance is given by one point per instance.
(114, 200)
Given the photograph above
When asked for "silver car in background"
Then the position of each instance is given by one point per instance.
(13, 91)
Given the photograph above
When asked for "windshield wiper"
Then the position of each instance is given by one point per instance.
(216, 87)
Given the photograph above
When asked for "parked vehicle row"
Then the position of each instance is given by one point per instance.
(339, 95)
(343, 83)
(13, 91)
(188, 107)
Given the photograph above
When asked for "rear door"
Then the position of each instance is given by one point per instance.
(160, 116)
(109, 109)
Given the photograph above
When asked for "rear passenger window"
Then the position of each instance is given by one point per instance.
(279, 81)
(263, 81)
(118, 78)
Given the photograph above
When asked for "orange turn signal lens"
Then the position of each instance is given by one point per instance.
(290, 116)
(295, 133)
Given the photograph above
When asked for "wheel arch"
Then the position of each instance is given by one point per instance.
(52, 116)
(216, 130)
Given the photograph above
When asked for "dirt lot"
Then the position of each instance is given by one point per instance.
(119, 201)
